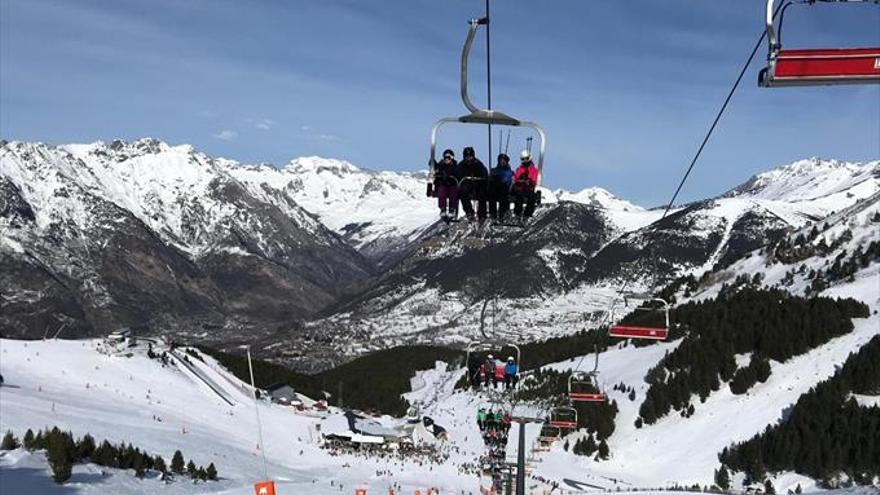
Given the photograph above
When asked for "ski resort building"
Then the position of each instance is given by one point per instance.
(282, 393)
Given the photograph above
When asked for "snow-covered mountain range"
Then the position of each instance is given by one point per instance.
(150, 235)
(90, 241)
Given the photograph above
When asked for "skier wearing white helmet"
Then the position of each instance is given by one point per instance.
(525, 181)
(510, 371)
(490, 369)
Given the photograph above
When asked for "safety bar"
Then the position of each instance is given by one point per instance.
(769, 12)
(664, 308)
(770, 27)
(554, 415)
(492, 346)
(581, 377)
(471, 119)
(481, 116)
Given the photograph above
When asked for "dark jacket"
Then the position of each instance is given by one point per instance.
(446, 174)
(472, 167)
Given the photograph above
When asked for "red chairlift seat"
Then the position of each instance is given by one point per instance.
(642, 331)
(549, 433)
(584, 397)
(564, 418)
(823, 67)
(578, 381)
(814, 67)
(637, 332)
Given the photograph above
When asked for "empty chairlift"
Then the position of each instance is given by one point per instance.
(648, 321)
(548, 435)
(815, 66)
(564, 417)
(583, 387)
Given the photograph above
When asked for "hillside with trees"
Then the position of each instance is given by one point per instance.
(828, 435)
(768, 324)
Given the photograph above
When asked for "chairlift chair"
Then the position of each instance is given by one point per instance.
(652, 330)
(564, 417)
(582, 387)
(413, 414)
(815, 66)
(488, 346)
(549, 434)
(481, 116)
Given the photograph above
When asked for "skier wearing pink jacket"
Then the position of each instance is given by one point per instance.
(525, 181)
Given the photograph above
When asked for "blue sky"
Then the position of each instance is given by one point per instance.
(625, 89)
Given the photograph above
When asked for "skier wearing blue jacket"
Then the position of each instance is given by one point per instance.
(500, 182)
(510, 372)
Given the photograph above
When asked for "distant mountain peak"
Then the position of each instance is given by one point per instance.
(807, 179)
(598, 197)
(317, 164)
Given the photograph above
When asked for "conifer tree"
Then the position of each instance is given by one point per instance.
(9, 442)
(29, 439)
(177, 463)
(722, 478)
(85, 447)
(59, 453)
(603, 450)
(159, 464)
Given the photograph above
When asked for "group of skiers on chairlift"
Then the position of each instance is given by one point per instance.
(468, 181)
(494, 427)
(495, 372)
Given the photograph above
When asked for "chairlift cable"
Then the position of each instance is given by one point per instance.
(489, 75)
(696, 157)
(721, 112)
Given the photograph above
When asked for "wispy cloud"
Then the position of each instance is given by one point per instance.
(226, 135)
(308, 133)
(264, 124)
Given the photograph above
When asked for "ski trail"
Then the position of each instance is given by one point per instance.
(203, 378)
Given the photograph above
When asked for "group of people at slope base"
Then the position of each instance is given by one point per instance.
(468, 181)
(494, 427)
(493, 371)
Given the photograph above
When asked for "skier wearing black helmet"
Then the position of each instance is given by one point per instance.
(446, 186)
(500, 181)
(473, 175)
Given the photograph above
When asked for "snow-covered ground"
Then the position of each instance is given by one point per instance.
(160, 409)
(71, 385)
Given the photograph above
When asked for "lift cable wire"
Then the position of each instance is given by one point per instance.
(696, 157)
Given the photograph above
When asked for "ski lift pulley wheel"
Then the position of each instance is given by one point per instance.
(632, 331)
(480, 116)
(816, 67)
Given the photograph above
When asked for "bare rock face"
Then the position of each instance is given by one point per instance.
(159, 238)
(318, 261)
